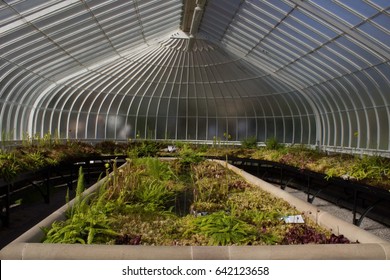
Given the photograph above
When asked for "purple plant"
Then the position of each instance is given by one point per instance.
(128, 239)
(303, 234)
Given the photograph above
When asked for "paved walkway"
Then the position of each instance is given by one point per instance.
(367, 224)
(24, 217)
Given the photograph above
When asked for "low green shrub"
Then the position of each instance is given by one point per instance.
(273, 144)
(249, 143)
(146, 148)
(188, 156)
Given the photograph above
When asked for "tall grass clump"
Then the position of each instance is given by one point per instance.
(88, 219)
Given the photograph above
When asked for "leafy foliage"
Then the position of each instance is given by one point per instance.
(373, 167)
(41, 151)
(249, 143)
(223, 229)
(146, 148)
(9, 166)
(188, 156)
(273, 144)
(303, 234)
(128, 239)
(88, 220)
(155, 168)
(153, 195)
(91, 226)
(134, 206)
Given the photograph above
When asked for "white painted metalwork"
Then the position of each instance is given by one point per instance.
(314, 72)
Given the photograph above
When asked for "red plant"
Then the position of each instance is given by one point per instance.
(303, 234)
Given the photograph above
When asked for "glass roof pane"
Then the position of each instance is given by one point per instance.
(74, 15)
(382, 20)
(29, 6)
(344, 54)
(308, 32)
(263, 12)
(384, 4)
(358, 6)
(7, 15)
(284, 6)
(296, 37)
(377, 35)
(221, 14)
(336, 11)
(359, 50)
(325, 56)
(11, 1)
(311, 21)
(253, 23)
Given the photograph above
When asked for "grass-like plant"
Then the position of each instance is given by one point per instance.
(88, 222)
(153, 195)
(223, 229)
(9, 167)
(372, 167)
(156, 168)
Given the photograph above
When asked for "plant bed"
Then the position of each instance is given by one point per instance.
(371, 170)
(34, 154)
(30, 246)
(153, 202)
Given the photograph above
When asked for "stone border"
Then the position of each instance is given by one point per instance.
(28, 245)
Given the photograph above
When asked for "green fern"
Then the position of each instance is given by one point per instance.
(223, 229)
(153, 194)
(89, 219)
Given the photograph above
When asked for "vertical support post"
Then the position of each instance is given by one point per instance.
(7, 206)
(354, 210)
(70, 184)
(88, 166)
(47, 183)
(282, 186)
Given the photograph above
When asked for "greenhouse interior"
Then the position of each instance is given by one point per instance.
(309, 74)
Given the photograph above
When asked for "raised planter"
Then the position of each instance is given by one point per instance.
(29, 246)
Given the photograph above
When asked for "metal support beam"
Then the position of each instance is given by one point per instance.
(196, 18)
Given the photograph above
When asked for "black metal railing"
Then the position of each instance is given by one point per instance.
(44, 180)
(363, 200)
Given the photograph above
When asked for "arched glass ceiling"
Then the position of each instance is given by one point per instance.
(313, 72)
(336, 53)
(164, 91)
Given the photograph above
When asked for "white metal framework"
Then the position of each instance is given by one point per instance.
(313, 72)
